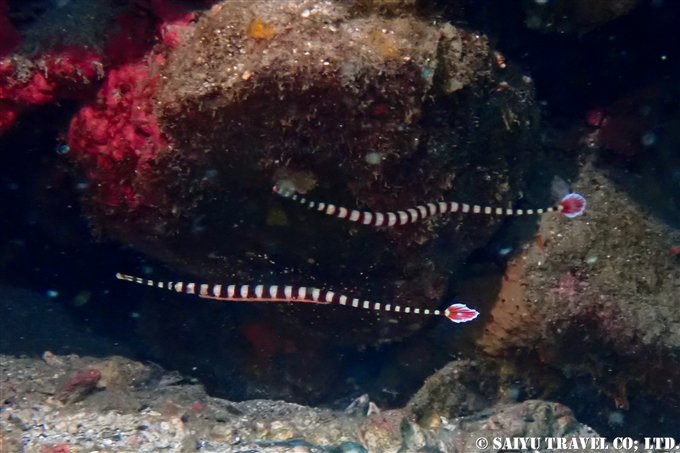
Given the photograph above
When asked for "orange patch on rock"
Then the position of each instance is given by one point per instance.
(384, 44)
(511, 318)
(260, 30)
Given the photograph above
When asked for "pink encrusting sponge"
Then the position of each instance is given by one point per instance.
(297, 294)
(571, 205)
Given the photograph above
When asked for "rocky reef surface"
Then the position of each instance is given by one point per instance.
(77, 404)
(183, 117)
(596, 299)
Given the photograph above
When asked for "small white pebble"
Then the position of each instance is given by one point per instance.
(373, 158)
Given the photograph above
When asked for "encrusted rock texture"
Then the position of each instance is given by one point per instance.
(122, 405)
(597, 296)
(349, 106)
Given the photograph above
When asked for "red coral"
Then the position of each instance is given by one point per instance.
(71, 68)
(115, 137)
(66, 73)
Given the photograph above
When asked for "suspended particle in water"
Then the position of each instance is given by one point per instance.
(504, 251)
(52, 293)
(616, 418)
(197, 225)
(63, 149)
(82, 298)
(210, 174)
(648, 139)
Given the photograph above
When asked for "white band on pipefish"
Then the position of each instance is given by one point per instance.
(572, 205)
(297, 294)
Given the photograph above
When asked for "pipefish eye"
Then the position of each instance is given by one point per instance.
(62, 149)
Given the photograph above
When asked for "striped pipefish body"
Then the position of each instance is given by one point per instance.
(571, 205)
(457, 312)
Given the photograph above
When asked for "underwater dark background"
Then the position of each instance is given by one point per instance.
(49, 246)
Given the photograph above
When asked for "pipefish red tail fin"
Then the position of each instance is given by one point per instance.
(296, 294)
(571, 205)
